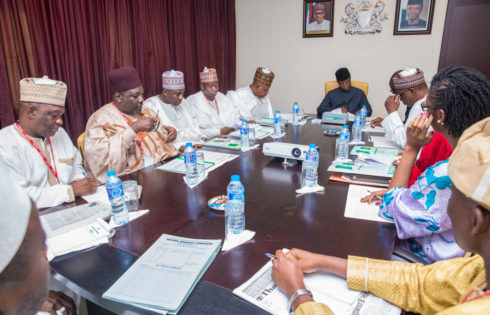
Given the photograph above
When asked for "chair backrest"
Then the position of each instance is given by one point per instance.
(80, 141)
(331, 85)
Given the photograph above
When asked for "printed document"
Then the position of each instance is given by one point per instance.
(379, 170)
(221, 143)
(212, 160)
(328, 289)
(356, 209)
(165, 274)
(374, 151)
(383, 142)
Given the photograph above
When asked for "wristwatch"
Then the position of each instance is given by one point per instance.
(295, 296)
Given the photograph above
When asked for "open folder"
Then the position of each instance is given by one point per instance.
(164, 276)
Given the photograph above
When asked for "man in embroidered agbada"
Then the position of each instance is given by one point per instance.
(252, 101)
(215, 114)
(452, 286)
(37, 149)
(124, 135)
(174, 111)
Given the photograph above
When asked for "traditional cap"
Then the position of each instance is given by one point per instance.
(208, 75)
(43, 90)
(173, 80)
(319, 7)
(412, 2)
(408, 78)
(342, 74)
(123, 79)
(264, 76)
(16, 209)
(469, 165)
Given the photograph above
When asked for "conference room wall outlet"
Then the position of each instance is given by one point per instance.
(285, 150)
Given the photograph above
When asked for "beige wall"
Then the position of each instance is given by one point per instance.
(269, 33)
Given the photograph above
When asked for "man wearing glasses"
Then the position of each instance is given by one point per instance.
(409, 87)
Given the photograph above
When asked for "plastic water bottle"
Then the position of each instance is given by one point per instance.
(190, 160)
(357, 128)
(295, 114)
(235, 207)
(363, 115)
(277, 125)
(244, 136)
(309, 172)
(342, 145)
(115, 192)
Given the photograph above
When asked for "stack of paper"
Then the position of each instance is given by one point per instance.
(374, 155)
(76, 228)
(331, 290)
(223, 144)
(380, 170)
(164, 276)
(382, 142)
(212, 160)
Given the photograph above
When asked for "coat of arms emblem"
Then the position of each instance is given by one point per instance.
(364, 17)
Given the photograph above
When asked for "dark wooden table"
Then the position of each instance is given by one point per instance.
(280, 218)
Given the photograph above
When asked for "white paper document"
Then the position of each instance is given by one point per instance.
(61, 221)
(328, 289)
(261, 132)
(383, 142)
(356, 209)
(375, 129)
(221, 143)
(165, 274)
(374, 151)
(379, 170)
(99, 195)
(212, 160)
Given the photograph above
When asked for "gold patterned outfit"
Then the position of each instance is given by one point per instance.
(110, 144)
(452, 286)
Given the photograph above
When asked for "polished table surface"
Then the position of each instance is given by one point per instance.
(280, 217)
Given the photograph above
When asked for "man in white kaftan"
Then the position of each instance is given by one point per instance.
(174, 111)
(214, 112)
(252, 101)
(410, 87)
(39, 153)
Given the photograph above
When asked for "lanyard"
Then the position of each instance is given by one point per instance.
(215, 100)
(129, 122)
(485, 293)
(54, 170)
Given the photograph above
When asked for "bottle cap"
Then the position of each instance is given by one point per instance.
(295, 103)
(346, 126)
(235, 178)
(188, 144)
(277, 112)
(358, 114)
(363, 106)
(312, 145)
(244, 121)
(111, 173)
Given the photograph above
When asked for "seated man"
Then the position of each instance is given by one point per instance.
(453, 286)
(215, 114)
(39, 152)
(346, 97)
(125, 135)
(24, 269)
(174, 111)
(408, 86)
(252, 101)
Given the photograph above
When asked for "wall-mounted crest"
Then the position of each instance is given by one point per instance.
(364, 17)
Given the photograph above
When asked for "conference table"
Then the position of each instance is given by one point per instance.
(280, 217)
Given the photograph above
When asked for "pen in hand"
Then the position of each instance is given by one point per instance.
(271, 256)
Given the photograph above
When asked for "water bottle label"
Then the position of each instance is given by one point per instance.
(190, 158)
(114, 192)
(295, 110)
(235, 196)
(277, 120)
(244, 131)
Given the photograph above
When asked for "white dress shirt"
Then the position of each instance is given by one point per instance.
(250, 106)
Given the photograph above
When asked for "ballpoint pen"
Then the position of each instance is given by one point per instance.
(271, 256)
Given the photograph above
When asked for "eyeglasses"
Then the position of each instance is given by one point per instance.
(426, 107)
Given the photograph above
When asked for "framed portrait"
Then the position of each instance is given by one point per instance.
(317, 18)
(413, 17)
